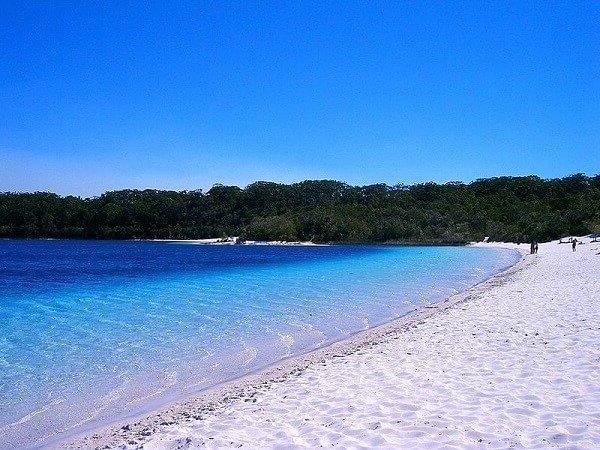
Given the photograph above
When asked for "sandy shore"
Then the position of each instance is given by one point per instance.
(512, 362)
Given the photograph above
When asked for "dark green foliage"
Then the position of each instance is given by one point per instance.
(504, 208)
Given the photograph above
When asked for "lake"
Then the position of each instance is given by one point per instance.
(94, 331)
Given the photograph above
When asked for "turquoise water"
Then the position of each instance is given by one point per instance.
(93, 331)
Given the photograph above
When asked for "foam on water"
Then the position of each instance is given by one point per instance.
(94, 331)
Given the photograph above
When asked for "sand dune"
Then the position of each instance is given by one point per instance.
(516, 364)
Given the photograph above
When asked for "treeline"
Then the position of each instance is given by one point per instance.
(504, 208)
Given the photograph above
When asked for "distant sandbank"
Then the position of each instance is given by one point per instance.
(234, 240)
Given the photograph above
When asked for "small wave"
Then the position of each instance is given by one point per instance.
(287, 340)
(32, 414)
(248, 355)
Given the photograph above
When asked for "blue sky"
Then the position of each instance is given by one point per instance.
(180, 97)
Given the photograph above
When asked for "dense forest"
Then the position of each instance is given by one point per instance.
(503, 208)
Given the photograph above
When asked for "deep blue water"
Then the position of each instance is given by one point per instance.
(92, 331)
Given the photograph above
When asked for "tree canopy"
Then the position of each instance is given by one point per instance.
(502, 208)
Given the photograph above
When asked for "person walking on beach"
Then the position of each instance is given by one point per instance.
(574, 244)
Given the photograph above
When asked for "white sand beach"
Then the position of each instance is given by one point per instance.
(514, 362)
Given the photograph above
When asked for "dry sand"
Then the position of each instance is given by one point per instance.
(514, 362)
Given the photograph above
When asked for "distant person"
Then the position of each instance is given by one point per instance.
(574, 244)
(535, 249)
(532, 247)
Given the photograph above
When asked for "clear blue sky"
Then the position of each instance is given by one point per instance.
(180, 97)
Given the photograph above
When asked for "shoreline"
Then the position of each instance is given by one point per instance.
(135, 429)
(220, 241)
(233, 241)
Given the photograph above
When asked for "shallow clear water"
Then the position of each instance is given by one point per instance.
(92, 331)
